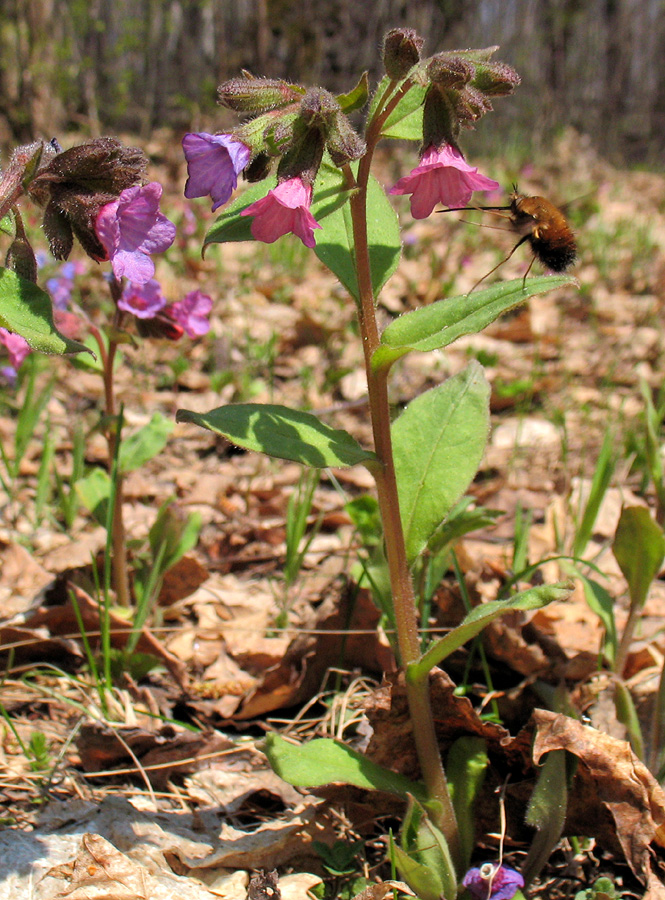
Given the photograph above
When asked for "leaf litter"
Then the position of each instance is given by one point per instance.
(164, 810)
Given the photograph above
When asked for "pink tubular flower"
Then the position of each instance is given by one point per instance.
(142, 300)
(443, 176)
(214, 162)
(192, 313)
(131, 228)
(17, 348)
(492, 882)
(285, 210)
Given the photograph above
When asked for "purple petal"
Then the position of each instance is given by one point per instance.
(214, 162)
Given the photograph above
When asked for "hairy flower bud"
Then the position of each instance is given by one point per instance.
(24, 164)
(449, 71)
(471, 105)
(401, 51)
(319, 108)
(440, 123)
(495, 79)
(343, 144)
(76, 184)
(20, 255)
(257, 95)
(303, 159)
(259, 168)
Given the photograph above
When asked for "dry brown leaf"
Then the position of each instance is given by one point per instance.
(161, 753)
(614, 796)
(101, 872)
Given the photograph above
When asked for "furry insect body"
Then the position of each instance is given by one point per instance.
(546, 230)
(542, 225)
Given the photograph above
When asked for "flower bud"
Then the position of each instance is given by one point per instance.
(20, 255)
(401, 51)
(303, 159)
(76, 184)
(256, 95)
(343, 144)
(495, 79)
(447, 70)
(258, 169)
(440, 124)
(318, 108)
(471, 105)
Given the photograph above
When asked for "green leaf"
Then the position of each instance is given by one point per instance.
(357, 97)
(627, 715)
(283, 433)
(335, 245)
(601, 602)
(426, 846)
(94, 491)
(479, 617)
(546, 812)
(438, 443)
(423, 880)
(639, 548)
(439, 324)
(405, 122)
(466, 767)
(231, 225)
(146, 443)
(26, 309)
(324, 761)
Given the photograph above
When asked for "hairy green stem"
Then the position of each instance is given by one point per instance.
(404, 603)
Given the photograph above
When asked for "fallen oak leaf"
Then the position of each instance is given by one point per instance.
(609, 776)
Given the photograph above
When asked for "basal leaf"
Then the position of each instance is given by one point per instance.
(26, 310)
(438, 443)
(281, 432)
(439, 324)
(639, 547)
(324, 761)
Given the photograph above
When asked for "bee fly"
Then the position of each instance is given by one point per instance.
(542, 226)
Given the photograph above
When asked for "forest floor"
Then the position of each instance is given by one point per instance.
(163, 774)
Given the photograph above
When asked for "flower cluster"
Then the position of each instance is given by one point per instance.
(171, 320)
(298, 125)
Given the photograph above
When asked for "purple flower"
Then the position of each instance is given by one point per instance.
(214, 162)
(285, 210)
(17, 348)
(192, 313)
(142, 300)
(443, 176)
(492, 882)
(131, 228)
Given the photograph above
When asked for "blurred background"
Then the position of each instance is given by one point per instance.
(138, 65)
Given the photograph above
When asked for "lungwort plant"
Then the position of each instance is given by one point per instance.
(322, 190)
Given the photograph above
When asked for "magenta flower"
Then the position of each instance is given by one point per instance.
(192, 313)
(214, 162)
(443, 176)
(491, 882)
(17, 348)
(285, 210)
(131, 228)
(142, 300)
